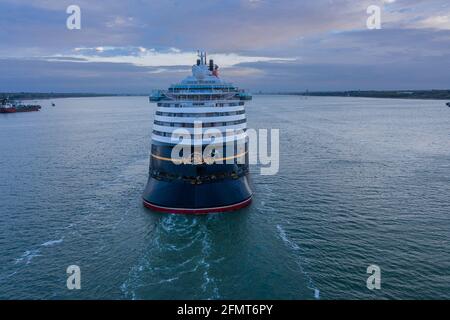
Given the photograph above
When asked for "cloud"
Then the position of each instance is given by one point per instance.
(436, 22)
(215, 25)
(121, 22)
(262, 44)
(142, 57)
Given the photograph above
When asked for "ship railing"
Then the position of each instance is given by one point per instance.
(193, 88)
(190, 97)
(208, 92)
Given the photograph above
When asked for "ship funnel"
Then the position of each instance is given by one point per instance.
(202, 56)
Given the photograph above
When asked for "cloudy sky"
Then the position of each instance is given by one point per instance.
(134, 46)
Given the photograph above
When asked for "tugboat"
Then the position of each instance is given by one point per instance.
(7, 107)
(205, 180)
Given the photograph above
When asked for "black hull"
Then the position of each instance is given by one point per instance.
(189, 188)
(207, 198)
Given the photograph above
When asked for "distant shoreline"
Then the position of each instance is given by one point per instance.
(45, 95)
(398, 94)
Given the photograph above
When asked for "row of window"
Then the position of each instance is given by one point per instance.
(179, 105)
(203, 97)
(205, 114)
(166, 176)
(205, 136)
(222, 88)
(204, 125)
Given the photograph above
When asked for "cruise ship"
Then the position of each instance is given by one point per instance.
(210, 173)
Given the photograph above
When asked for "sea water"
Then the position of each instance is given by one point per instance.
(361, 182)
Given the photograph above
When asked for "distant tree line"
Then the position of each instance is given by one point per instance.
(400, 94)
(51, 95)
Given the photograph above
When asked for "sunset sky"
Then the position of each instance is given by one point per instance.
(137, 45)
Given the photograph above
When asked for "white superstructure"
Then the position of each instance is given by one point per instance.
(200, 98)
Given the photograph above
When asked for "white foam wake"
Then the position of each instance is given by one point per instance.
(52, 242)
(302, 261)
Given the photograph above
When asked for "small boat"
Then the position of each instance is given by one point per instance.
(53, 104)
(9, 106)
(6, 106)
(448, 104)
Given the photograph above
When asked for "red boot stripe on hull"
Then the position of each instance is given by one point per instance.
(231, 207)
